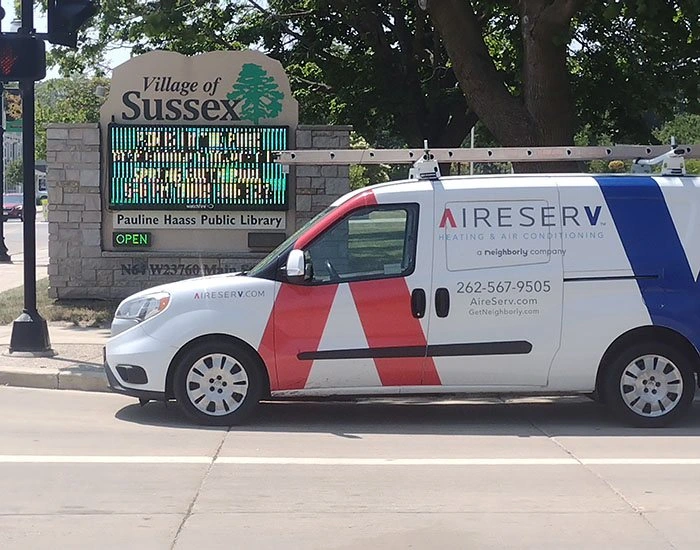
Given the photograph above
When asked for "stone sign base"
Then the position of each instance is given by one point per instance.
(78, 265)
(115, 275)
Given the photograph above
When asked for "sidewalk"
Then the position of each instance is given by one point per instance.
(13, 274)
(77, 364)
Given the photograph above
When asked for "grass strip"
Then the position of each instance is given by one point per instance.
(84, 313)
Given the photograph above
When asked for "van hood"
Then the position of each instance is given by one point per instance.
(203, 304)
(193, 284)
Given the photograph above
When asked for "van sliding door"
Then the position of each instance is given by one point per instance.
(496, 306)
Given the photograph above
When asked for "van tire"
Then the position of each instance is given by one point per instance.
(218, 383)
(640, 384)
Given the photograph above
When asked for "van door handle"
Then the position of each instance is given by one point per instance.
(418, 303)
(442, 302)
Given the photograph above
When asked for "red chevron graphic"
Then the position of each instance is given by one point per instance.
(384, 307)
(301, 312)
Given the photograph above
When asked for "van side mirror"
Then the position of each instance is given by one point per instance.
(296, 264)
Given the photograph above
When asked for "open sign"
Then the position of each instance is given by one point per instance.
(131, 239)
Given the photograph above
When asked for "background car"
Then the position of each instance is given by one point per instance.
(12, 206)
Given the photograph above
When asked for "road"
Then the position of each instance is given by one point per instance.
(12, 274)
(82, 470)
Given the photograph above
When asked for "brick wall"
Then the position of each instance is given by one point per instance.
(75, 218)
(318, 186)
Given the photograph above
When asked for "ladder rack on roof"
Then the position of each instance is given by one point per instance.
(425, 161)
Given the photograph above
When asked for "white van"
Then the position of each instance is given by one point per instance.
(527, 284)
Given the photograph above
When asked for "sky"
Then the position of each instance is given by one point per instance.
(114, 58)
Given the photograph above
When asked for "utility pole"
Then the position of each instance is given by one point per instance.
(29, 331)
(4, 256)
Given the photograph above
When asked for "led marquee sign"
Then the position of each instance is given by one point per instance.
(196, 167)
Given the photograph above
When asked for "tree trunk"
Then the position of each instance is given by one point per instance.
(545, 117)
(486, 93)
(547, 89)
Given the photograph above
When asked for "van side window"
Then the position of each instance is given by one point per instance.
(371, 243)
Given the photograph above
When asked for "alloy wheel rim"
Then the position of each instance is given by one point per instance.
(217, 384)
(651, 386)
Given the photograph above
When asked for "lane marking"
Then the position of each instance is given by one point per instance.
(640, 461)
(316, 461)
(60, 459)
(345, 461)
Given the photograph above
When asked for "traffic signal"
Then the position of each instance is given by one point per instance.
(22, 57)
(65, 17)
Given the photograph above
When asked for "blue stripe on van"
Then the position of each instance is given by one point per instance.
(650, 239)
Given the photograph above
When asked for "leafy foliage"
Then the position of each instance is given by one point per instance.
(592, 71)
(635, 65)
(68, 100)
(14, 173)
(380, 67)
(362, 175)
(685, 129)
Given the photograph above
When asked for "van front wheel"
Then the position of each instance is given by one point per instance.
(650, 384)
(218, 383)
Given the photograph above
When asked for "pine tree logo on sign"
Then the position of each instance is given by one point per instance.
(258, 92)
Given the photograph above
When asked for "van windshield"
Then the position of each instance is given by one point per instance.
(272, 256)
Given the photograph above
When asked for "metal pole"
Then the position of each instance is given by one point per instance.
(29, 331)
(471, 164)
(27, 87)
(4, 256)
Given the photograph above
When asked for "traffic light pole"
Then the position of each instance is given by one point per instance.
(29, 331)
(4, 256)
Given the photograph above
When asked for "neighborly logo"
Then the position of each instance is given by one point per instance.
(258, 92)
(525, 216)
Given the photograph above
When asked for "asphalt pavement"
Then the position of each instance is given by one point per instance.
(86, 470)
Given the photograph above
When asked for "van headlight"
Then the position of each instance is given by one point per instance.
(144, 307)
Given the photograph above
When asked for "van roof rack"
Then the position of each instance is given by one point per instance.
(425, 162)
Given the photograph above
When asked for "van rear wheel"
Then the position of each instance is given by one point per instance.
(218, 383)
(650, 384)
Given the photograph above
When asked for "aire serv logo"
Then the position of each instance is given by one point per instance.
(255, 95)
(485, 217)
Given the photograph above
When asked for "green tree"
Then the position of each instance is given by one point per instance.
(362, 175)
(685, 129)
(14, 173)
(67, 100)
(534, 72)
(380, 67)
(560, 48)
(259, 93)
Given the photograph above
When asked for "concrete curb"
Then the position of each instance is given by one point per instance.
(76, 377)
(75, 361)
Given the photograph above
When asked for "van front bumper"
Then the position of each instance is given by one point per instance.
(137, 364)
(132, 392)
